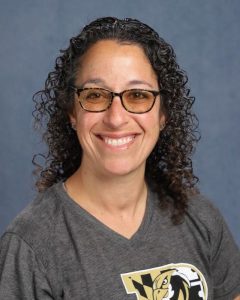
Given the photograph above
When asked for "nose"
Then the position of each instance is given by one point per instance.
(116, 116)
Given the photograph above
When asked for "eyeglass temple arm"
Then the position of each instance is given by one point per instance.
(73, 88)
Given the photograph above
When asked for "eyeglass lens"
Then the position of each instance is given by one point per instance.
(136, 100)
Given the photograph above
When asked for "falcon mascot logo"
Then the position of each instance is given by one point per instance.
(170, 282)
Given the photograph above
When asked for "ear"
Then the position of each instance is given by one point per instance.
(162, 120)
(73, 117)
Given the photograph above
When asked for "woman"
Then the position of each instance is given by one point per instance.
(118, 215)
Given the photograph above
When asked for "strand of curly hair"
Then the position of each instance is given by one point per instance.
(169, 170)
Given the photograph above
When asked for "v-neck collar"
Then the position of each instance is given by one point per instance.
(138, 237)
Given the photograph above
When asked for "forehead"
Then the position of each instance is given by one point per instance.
(111, 60)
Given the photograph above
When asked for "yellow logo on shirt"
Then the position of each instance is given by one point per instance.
(170, 282)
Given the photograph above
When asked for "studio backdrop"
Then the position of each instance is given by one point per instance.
(205, 36)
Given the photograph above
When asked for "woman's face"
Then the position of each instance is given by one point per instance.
(116, 142)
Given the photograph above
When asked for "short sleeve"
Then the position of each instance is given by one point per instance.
(225, 262)
(20, 274)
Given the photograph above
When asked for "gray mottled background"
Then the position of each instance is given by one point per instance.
(205, 35)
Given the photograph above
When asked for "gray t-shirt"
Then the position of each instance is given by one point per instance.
(56, 250)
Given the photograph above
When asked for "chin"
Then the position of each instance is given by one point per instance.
(122, 168)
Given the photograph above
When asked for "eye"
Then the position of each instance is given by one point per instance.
(137, 94)
(93, 95)
(165, 281)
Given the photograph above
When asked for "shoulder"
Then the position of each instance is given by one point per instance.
(202, 208)
(26, 250)
(209, 227)
(35, 224)
(207, 221)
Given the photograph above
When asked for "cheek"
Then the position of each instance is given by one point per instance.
(152, 121)
(85, 123)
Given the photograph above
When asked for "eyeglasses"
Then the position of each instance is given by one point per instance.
(137, 101)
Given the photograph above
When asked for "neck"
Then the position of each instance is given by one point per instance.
(112, 194)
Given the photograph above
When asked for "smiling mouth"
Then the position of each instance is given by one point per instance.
(118, 142)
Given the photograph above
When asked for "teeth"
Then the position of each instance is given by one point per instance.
(118, 142)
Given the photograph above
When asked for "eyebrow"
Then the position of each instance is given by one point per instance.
(102, 82)
(93, 80)
(143, 82)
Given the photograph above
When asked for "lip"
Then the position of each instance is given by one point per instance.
(117, 140)
(116, 135)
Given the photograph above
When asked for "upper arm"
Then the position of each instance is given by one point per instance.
(20, 275)
(225, 263)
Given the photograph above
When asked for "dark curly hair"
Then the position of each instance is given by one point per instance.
(169, 169)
